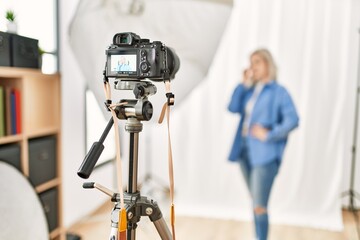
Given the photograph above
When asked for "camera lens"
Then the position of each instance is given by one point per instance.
(173, 62)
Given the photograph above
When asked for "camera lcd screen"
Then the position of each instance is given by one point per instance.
(123, 63)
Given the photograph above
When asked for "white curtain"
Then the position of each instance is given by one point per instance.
(315, 44)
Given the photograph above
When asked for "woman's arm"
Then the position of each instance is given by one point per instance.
(237, 99)
(290, 119)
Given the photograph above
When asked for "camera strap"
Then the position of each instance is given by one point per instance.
(122, 224)
(166, 109)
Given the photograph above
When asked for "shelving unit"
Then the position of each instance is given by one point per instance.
(40, 121)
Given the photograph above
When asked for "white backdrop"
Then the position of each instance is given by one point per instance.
(316, 46)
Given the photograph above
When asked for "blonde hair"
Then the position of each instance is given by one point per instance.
(268, 58)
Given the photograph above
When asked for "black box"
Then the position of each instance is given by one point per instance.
(42, 159)
(10, 153)
(49, 200)
(72, 236)
(24, 52)
(5, 55)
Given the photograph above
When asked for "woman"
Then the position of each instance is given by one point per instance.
(267, 116)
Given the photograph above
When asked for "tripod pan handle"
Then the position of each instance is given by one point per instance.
(90, 160)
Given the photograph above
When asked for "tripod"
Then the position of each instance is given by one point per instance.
(133, 111)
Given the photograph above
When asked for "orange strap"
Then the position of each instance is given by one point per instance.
(166, 109)
(122, 224)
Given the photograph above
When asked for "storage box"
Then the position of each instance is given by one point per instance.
(5, 55)
(42, 160)
(10, 153)
(49, 200)
(24, 51)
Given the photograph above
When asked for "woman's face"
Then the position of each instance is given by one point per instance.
(259, 67)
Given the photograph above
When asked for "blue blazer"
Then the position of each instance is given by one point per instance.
(274, 110)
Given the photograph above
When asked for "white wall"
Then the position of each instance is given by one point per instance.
(28, 23)
(77, 202)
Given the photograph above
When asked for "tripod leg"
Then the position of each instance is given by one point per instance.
(131, 234)
(113, 233)
(162, 229)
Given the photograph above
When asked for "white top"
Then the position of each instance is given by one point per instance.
(250, 106)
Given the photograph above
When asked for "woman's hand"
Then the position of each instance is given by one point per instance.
(247, 77)
(259, 132)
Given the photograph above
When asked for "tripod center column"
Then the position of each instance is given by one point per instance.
(133, 126)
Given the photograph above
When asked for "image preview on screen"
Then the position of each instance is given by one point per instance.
(123, 63)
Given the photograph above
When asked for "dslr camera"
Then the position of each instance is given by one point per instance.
(130, 57)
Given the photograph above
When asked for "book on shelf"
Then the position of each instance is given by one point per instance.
(10, 111)
(13, 112)
(17, 111)
(2, 112)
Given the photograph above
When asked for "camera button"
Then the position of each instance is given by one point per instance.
(144, 67)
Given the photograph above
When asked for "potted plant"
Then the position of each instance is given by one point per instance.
(11, 24)
(41, 53)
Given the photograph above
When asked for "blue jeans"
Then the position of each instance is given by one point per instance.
(259, 180)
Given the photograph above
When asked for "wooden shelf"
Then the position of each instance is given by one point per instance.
(48, 185)
(11, 139)
(40, 117)
(42, 132)
(15, 72)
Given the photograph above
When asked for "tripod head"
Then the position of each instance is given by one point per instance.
(139, 108)
(134, 111)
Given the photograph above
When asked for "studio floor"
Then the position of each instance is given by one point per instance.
(96, 227)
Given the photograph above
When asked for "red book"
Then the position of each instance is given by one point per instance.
(18, 110)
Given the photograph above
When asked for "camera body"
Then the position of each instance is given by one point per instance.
(133, 58)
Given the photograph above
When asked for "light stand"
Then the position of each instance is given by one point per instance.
(353, 195)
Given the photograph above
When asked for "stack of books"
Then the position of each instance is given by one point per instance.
(10, 111)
